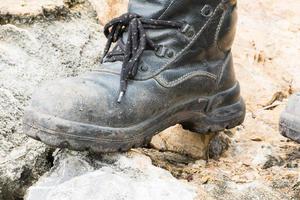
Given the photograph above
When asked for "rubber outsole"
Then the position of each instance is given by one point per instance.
(209, 114)
(289, 126)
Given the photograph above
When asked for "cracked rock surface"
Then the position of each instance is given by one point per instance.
(29, 55)
(118, 176)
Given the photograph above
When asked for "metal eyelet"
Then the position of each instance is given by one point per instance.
(143, 68)
(188, 31)
(207, 10)
(161, 51)
(170, 53)
(165, 52)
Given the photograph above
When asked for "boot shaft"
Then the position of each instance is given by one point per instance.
(220, 31)
(207, 37)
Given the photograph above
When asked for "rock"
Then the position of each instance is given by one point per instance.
(218, 145)
(175, 163)
(28, 7)
(29, 55)
(22, 167)
(273, 161)
(28, 11)
(109, 9)
(127, 176)
(176, 139)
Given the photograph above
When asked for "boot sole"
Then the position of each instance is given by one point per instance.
(289, 126)
(202, 115)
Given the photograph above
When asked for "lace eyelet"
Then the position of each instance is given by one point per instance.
(188, 31)
(164, 52)
(170, 53)
(143, 68)
(161, 51)
(207, 11)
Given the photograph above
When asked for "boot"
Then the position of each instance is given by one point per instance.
(171, 63)
(289, 125)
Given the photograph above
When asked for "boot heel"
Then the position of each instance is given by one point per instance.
(223, 111)
(222, 118)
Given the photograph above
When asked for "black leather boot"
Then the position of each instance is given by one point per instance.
(171, 64)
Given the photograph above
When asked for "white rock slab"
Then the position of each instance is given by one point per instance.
(115, 177)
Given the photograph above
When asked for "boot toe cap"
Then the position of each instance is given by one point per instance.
(70, 99)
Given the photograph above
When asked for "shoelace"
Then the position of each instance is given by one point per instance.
(137, 42)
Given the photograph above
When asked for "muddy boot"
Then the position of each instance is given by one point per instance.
(289, 125)
(171, 64)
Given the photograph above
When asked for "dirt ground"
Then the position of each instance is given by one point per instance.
(259, 163)
(268, 67)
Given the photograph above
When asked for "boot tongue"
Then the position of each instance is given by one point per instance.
(148, 8)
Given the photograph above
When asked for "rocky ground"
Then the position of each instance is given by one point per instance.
(44, 40)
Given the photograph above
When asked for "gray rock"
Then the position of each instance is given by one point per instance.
(119, 176)
(29, 55)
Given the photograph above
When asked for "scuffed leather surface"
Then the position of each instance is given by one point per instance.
(91, 99)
